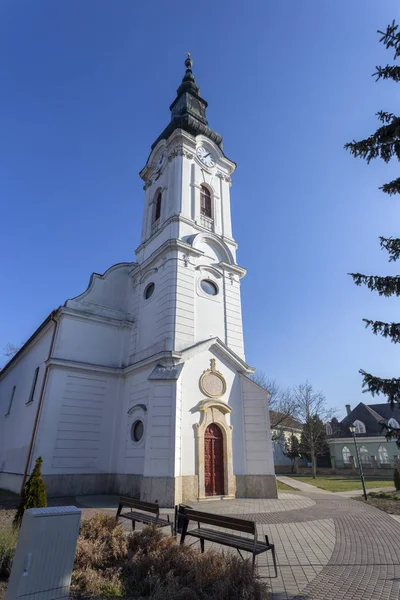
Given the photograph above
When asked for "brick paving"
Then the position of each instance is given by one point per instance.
(332, 549)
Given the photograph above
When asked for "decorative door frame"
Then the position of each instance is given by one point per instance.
(215, 411)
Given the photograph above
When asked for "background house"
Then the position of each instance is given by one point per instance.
(375, 451)
(282, 427)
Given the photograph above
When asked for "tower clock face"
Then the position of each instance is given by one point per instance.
(205, 156)
(160, 162)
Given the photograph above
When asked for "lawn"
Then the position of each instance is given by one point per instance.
(283, 487)
(337, 483)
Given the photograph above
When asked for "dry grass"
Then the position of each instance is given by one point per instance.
(150, 566)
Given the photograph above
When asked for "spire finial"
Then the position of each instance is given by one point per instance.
(188, 62)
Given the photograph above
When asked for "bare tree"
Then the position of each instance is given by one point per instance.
(10, 349)
(282, 403)
(312, 410)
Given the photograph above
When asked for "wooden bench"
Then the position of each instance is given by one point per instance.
(226, 539)
(149, 515)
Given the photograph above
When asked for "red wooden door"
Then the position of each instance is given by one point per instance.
(214, 461)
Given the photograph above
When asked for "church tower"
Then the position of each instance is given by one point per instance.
(187, 251)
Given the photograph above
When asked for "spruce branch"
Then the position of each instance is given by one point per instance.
(384, 143)
(391, 330)
(391, 188)
(392, 246)
(385, 286)
(388, 72)
(388, 387)
(391, 38)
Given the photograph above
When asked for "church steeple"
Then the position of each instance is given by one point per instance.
(188, 110)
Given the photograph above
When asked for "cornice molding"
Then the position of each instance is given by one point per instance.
(89, 316)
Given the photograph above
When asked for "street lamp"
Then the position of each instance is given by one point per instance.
(353, 431)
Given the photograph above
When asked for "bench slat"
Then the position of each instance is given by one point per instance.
(221, 521)
(133, 503)
(227, 539)
(142, 518)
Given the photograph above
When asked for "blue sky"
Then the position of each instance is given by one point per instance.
(86, 88)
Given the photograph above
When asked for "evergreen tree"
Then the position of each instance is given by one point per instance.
(396, 478)
(291, 448)
(33, 495)
(384, 144)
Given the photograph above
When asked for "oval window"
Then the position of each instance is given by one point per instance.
(209, 287)
(148, 292)
(137, 431)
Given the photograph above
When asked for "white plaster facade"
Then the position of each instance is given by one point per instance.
(111, 357)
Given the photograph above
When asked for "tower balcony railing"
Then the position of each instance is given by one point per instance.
(207, 223)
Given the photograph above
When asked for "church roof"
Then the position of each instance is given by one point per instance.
(162, 373)
(188, 110)
(215, 342)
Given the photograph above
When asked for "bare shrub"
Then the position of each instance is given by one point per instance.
(8, 542)
(150, 566)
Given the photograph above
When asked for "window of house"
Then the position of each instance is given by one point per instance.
(11, 400)
(328, 429)
(205, 202)
(364, 456)
(393, 423)
(32, 394)
(360, 427)
(157, 210)
(383, 455)
(346, 455)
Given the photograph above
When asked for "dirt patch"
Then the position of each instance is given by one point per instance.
(390, 506)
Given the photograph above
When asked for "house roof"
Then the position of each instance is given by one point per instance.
(284, 421)
(372, 415)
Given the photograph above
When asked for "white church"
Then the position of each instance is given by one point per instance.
(139, 385)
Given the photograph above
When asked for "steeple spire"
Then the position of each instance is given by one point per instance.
(188, 82)
(188, 110)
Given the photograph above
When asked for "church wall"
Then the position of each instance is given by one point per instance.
(192, 396)
(87, 340)
(185, 304)
(160, 438)
(258, 479)
(137, 391)
(16, 428)
(76, 430)
(233, 311)
(155, 321)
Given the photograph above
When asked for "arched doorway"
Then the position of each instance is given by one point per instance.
(213, 461)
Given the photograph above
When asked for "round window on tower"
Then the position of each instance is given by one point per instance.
(149, 291)
(209, 287)
(137, 431)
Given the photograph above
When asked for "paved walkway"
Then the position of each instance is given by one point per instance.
(328, 547)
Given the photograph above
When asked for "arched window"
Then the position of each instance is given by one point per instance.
(393, 423)
(364, 456)
(157, 208)
(205, 202)
(346, 455)
(328, 429)
(383, 455)
(360, 427)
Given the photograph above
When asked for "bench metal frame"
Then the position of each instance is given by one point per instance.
(144, 516)
(225, 539)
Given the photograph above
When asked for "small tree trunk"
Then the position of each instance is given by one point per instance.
(296, 464)
(314, 465)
